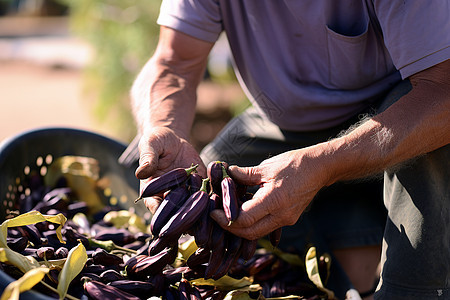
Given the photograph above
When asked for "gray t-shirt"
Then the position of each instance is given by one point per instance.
(312, 64)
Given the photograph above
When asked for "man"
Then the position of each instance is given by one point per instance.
(311, 69)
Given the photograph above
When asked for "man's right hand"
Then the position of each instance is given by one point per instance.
(162, 150)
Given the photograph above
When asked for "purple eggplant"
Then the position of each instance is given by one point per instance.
(229, 197)
(171, 203)
(214, 173)
(188, 214)
(166, 182)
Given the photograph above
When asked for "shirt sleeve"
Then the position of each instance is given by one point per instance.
(416, 32)
(198, 18)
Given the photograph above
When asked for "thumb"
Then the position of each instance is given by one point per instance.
(245, 175)
(145, 169)
(148, 160)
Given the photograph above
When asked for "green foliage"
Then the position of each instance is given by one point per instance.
(123, 34)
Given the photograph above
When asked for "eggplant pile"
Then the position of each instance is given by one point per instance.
(136, 261)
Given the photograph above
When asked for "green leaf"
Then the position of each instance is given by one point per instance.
(74, 264)
(25, 283)
(109, 246)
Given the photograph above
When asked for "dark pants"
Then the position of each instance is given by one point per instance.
(349, 214)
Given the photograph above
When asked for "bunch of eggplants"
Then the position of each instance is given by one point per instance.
(185, 209)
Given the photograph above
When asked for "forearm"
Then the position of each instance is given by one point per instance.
(161, 97)
(164, 93)
(416, 124)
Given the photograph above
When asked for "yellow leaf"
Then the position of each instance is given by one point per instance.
(74, 264)
(54, 263)
(82, 174)
(187, 248)
(237, 295)
(24, 263)
(28, 218)
(137, 222)
(25, 283)
(126, 219)
(225, 283)
(312, 268)
(117, 218)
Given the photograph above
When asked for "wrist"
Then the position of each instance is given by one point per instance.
(334, 160)
(152, 128)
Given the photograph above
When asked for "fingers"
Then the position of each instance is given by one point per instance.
(254, 212)
(257, 230)
(148, 160)
(245, 175)
(147, 166)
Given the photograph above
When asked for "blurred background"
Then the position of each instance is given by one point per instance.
(72, 63)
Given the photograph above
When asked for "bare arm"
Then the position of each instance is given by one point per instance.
(416, 124)
(164, 99)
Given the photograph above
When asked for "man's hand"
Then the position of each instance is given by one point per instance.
(288, 182)
(162, 150)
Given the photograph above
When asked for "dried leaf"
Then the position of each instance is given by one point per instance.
(25, 283)
(74, 264)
